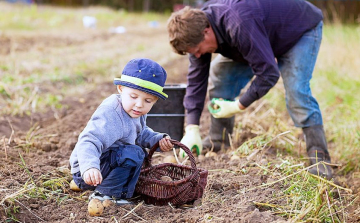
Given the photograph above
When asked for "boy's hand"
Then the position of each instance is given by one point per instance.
(165, 144)
(92, 177)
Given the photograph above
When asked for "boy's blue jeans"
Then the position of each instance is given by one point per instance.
(296, 68)
(120, 168)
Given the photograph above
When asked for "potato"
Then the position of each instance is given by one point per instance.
(74, 187)
(166, 178)
(107, 203)
(169, 159)
(201, 158)
(95, 207)
(235, 157)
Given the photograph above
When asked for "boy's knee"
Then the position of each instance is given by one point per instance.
(129, 163)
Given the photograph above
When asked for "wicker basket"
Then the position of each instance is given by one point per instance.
(188, 182)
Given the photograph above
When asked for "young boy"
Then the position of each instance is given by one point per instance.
(109, 153)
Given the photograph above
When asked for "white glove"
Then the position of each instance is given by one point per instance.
(220, 108)
(192, 140)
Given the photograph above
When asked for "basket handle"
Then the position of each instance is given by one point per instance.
(177, 144)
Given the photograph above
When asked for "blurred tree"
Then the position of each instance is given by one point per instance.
(341, 11)
(334, 10)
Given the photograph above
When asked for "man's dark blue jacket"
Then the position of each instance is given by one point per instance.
(254, 32)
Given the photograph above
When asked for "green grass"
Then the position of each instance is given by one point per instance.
(34, 18)
(336, 86)
(27, 77)
(338, 72)
(302, 197)
(26, 17)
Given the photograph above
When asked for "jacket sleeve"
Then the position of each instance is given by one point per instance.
(148, 137)
(197, 79)
(251, 39)
(100, 133)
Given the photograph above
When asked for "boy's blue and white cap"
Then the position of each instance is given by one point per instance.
(144, 75)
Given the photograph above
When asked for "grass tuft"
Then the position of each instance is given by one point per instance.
(302, 197)
(50, 186)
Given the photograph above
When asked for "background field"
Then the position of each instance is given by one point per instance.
(54, 72)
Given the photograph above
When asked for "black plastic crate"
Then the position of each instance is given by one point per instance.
(168, 115)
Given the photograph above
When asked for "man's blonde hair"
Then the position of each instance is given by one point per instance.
(185, 28)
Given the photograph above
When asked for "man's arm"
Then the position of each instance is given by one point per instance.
(253, 43)
(194, 101)
(197, 87)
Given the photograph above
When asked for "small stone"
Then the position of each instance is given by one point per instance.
(54, 147)
(46, 147)
(34, 206)
(264, 162)
(19, 141)
(55, 140)
(36, 144)
(210, 154)
(224, 156)
(201, 158)
(235, 157)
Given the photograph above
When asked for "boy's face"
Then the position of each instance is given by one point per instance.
(135, 102)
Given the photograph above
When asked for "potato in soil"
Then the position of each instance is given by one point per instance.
(95, 207)
(107, 203)
(74, 187)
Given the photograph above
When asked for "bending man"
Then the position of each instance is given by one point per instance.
(256, 40)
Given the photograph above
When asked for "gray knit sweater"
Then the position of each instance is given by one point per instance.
(108, 127)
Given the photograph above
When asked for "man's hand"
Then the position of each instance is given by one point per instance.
(92, 177)
(192, 140)
(220, 108)
(165, 144)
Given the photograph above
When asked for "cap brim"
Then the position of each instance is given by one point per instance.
(131, 85)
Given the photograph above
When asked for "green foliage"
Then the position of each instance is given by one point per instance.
(30, 18)
(304, 197)
(335, 85)
(338, 69)
(257, 142)
(7, 78)
(3, 92)
(33, 79)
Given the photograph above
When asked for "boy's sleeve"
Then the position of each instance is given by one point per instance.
(100, 133)
(148, 137)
